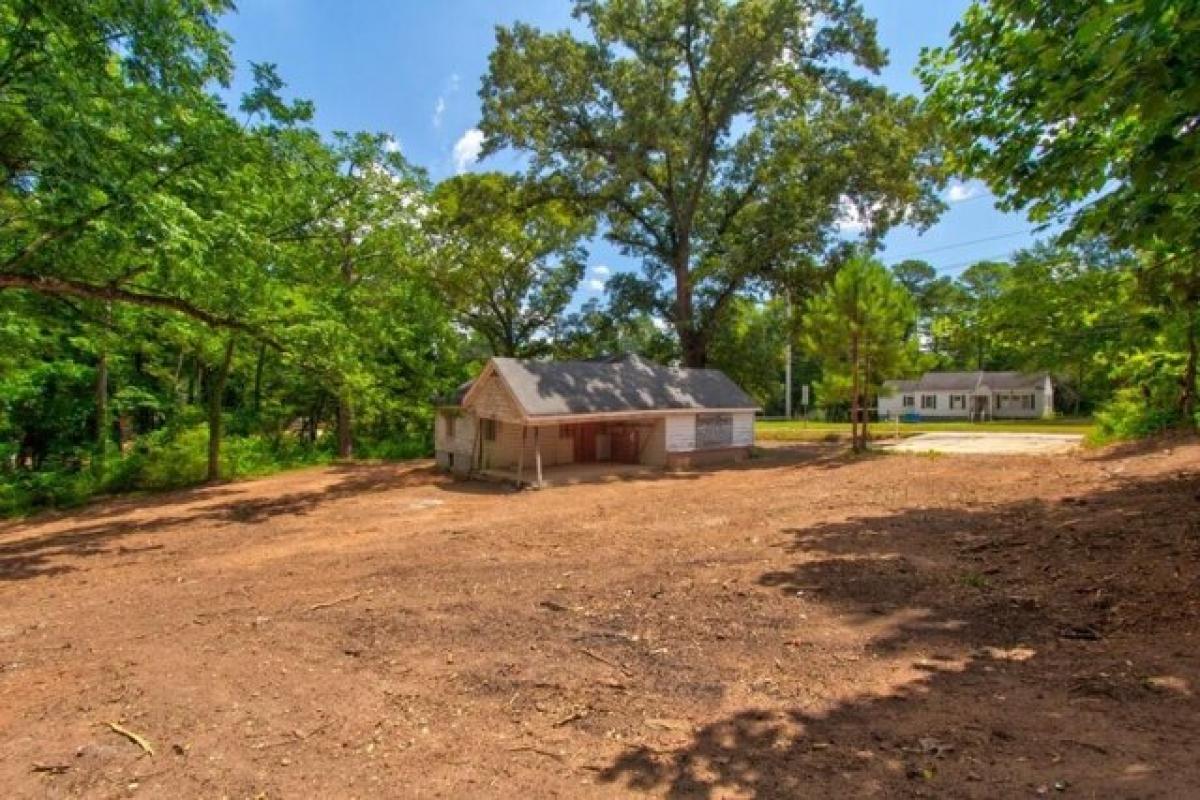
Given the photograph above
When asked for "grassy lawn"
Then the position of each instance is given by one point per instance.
(795, 430)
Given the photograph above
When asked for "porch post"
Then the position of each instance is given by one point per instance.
(537, 454)
(521, 456)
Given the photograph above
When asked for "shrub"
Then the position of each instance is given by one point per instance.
(1129, 415)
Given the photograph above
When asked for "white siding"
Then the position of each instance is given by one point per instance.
(680, 433)
(1012, 409)
(743, 429)
(654, 450)
(892, 406)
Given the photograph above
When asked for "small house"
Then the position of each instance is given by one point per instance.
(536, 421)
(969, 396)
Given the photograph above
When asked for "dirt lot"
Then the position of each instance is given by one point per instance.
(805, 626)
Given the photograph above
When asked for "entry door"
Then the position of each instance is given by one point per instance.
(585, 443)
(624, 444)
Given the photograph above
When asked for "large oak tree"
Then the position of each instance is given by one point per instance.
(723, 142)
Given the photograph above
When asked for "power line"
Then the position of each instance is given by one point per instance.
(967, 243)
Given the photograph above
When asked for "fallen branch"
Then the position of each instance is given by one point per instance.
(331, 603)
(131, 736)
(603, 660)
(581, 714)
(53, 769)
(538, 750)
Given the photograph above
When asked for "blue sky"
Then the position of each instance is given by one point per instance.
(412, 69)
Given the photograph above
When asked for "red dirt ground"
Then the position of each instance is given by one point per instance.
(807, 625)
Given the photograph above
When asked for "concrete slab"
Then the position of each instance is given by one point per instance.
(989, 443)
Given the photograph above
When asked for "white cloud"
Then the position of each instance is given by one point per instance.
(959, 192)
(439, 108)
(467, 149)
(599, 278)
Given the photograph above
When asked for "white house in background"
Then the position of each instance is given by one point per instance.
(969, 395)
(521, 419)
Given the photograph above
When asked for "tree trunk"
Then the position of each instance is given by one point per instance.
(866, 401)
(1187, 398)
(692, 343)
(101, 413)
(345, 423)
(258, 377)
(694, 348)
(855, 442)
(175, 379)
(215, 396)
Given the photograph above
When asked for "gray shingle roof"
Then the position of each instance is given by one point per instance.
(630, 383)
(970, 381)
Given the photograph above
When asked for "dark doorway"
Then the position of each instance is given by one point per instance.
(623, 444)
(585, 442)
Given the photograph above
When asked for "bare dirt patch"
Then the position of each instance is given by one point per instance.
(807, 625)
(987, 443)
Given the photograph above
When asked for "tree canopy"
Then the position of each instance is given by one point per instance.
(723, 143)
(1088, 112)
(508, 258)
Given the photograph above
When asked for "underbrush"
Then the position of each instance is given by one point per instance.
(1129, 415)
(173, 459)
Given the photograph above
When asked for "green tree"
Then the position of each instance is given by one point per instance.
(110, 131)
(354, 267)
(1072, 311)
(721, 141)
(750, 346)
(613, 327)
(1087, 111)
(506, 258)
(856, 328)
(932, 294)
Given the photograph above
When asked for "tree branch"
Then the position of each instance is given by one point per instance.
(66, 287)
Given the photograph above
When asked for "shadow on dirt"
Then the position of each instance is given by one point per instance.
(1050, 640)
(808, 454)
(39, 555)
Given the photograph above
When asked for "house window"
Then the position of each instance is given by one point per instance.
(909, 401)
(489, 429)
(566, 431)
(929, 401)
(1029, 402)
(958, 401)
(449, 420)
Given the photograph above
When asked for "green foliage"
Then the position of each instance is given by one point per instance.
(1087, 112)
(750, 345)
(613, 327)
(162, 262)
(1145, 405)
(857, 329)
(508, 258)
